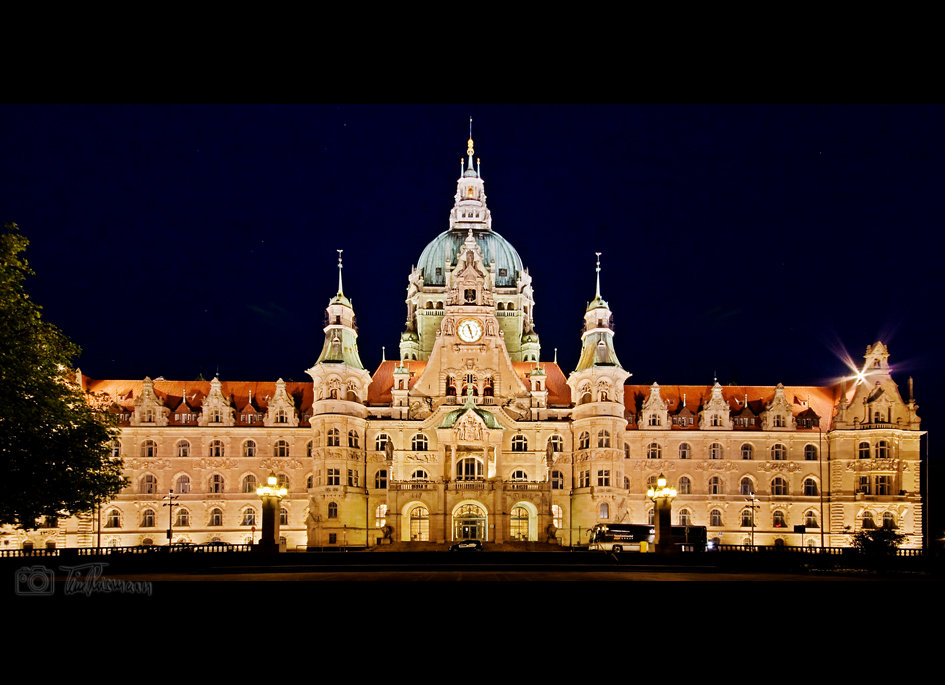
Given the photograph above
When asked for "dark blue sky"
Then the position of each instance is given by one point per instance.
(751, 242)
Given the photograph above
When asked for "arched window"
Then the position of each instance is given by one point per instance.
(148, 484)
(652, 482)
(182, 520)
(715, 485)
(654, 451)
(249, 449)
(626, 483)
(282, 416)
(334, 438)
(216, 448)
(747, 518)
(604, 511)
(746, 486)
(715, 420)
(556, 442)
(380, 479)
(353, 439)
(889, 520)
(603, 438)
(864, 450)
(715, 451)
(626, 450)
(149, 448)
(249, 517)
(882, 449)
(654, 420)
(147, 518)
(810, 453)
(283, 516)
(280, 449)
(420, 443)
(685, 517)
(420, 475)
(519, 443)
(685, 451)
(715, 518)
(282, 481)
(332, 510)
(868, 521)
(778, 452)
(584, 442)
(747, 451)
(183, 484)
(779, 486)
(380, 442)
(216, 517)
(557, 480)
(468, 468)
(217, 483)
(420, 524)
(310, 481)
(557, 515)
(380, 516)
(518, 475)
(777, 519)
(249, 484)
(685, 486)
(810, 487)
(810, 519)
(651, 516)
(183, 449)
(308, 449)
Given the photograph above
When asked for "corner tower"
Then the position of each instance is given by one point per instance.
(510, 294)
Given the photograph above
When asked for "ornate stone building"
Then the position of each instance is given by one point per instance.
(469, 434)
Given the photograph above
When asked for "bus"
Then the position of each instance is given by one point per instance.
(620, 537)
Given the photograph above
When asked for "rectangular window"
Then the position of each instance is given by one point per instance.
(334, 476)
(332, 538)
(603, 478)
(883, 485)
(353, 478)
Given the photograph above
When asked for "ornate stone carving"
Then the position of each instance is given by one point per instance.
(215, 463)
(717, 465)
(280, 464)
(779, 467)
(421, 458)
(148, 464)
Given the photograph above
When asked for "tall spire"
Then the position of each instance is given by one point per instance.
(340, 291)
(598, 275)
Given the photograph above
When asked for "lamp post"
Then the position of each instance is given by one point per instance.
(662, 497)
(271, 495)
(752, 506)
(170, 504)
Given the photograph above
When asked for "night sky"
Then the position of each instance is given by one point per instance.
(755, 244)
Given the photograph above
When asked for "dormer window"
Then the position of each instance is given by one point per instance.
(470, 296)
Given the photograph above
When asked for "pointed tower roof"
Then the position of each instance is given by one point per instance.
(341, 335)
(597, 342)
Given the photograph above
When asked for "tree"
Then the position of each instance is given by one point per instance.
(55, 445)
(883, 541)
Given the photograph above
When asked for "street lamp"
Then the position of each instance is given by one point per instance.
(662, 497)
(752, 506)
(271, 495)
(170, 504)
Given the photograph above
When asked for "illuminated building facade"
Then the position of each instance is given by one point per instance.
(470, 435)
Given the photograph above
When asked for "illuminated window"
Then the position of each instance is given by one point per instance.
(419, 443)
(353, 439)
(685, 486)
(249, 484)
(778, 519)
(864, 450)
(810, 453)
(685, 451)
(183, 449)
(715, 451)
(778, 452)
(116, 449)
(603, 478)
(889, 520)
(149, 448)
(216, 448)
(652, 482)
(182, 520)
(604, 511)
(280, 449)
(420, 524)
(216, 484)
(557, 480)
(380, 516)
(334, 476)
(147, 518)
(584, 442)
(332, 510)
(882, 449)
(654, 451)
(380, 480)
(557, 515)
(779, 486)
(148, 485)
(685, 517)
(519, 443)
(518, 523)
(113, 519)
(249, 517)
(249, 449)
(216, 517)
(380, 442)
(747, 451)
(715, 518)
(651, 517)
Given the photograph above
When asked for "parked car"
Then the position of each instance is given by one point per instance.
(467, 546)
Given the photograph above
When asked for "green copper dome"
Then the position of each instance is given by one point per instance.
(494, 248)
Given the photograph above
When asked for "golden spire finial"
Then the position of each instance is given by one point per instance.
(469, 143)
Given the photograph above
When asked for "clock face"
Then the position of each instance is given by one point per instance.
(469, 330)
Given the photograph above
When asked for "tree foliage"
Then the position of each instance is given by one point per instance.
(881, 541)
(55, 446)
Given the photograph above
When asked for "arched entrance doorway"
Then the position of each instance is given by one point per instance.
(469, 522)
